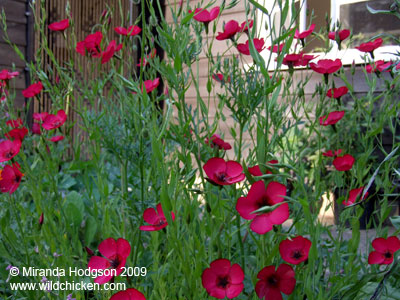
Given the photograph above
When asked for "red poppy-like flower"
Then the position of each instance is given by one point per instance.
(54, 121)
(217, 141)
(156, 219)
(379, 66)
(353, 195)
(205, 16)
(230, 29)
(304, 34)
(341, 34)
(259, 197)
(277, 48)
(296, 60)
(150, 85)
(222, 279)
(57, 138)
(296, 250)
(223, 172)
(271, 283)
(258, 44)
(11, 177)
(384, 250)
(330, 153)
(7, 75)
(40, 116)
(90, 45)
(36, 129)
(244, 27)
(332, 118)
(14, 123)
(344, 163)
(32, 90)
(59, 26)
(129, 294)
(220, 78)
(326, 66)
(336, 93)
(115, 254)
(17, 134)
(370, 46)
(256, 171)
(110, 51)
(130, 31)
(144, 60)
(9, 149)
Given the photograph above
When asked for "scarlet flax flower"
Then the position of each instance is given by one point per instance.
(220, 78)
(112, 48)
(17, 134)
(54, 121)
(9, 149)
(261, 197)
(332, 118)
(222, 279)
(336, 93)
(353, 195)
(223, 172)
(276, 48)
(272, 283)
(129, 294)
(230, 29)
(302, 35)
(150, 85)
(258, 44)
(326, 66)
(295, 251)
(32, 90)
(7, 75)
(205, 16)
(216, 141)
(379, 66)
(330, 153)
(344, 163)
(244, 27)
(56, 138)
(339, 35)
(90, 45)
(384, 250)
(156, 219)
(370, 46)
(130, 31)
(256, 171)
(115, 254)
(11, 177)
(59, 26)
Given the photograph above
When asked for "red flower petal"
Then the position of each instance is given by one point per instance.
(108, 247)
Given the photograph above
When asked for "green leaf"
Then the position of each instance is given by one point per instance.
(267, 209)
(395, 222)
(90, 230)
(187, 18)
(74, 208)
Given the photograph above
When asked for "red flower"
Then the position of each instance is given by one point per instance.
(7, 75)
(220, 78)
(379, 66)
(296, 60)
(385, 248)
(341, 34)
(110, 51)
(203, 16)
(256, 171)
(57, 138)
(14, 123)
(32, 90)
(54, 121)
(276, 48)
(370, 46)
(344, 163)
(259, 197)
(90, 45)
(230, 29)
(332, 118)
(223, 172)
(353, 195)
(244, 48)
(296, 250)
(329, 153)
(217, 141)
(129, 294)
(244, 27)
(17, 134)
(223, 280)
(59, 26)
(156, 219)
(304, 34)
(9, 149)
(326, 66)
(36, 129)
(40, 116)
(10, 179)
(272, 282)
(130, 31)
(150, 85)
(144, 61)
(337, 92)
(115, 253)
